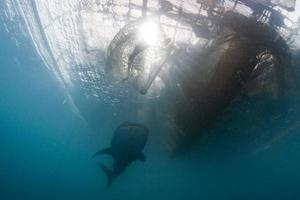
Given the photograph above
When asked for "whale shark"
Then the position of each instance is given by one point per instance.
(127, 144)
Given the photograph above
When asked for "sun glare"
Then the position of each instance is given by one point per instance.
(149, 33)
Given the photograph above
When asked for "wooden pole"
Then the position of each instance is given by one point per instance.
(144, 10)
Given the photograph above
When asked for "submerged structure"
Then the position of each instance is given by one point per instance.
(234, 45)
(199, 54)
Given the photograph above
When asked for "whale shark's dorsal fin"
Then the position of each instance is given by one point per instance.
(103, 151)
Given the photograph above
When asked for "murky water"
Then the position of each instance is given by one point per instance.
(58, 107)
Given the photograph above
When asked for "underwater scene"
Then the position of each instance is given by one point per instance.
(150, 99)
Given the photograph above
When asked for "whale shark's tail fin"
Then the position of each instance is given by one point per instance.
(103, 151)
(109, 174)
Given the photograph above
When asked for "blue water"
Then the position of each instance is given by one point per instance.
(45, 148)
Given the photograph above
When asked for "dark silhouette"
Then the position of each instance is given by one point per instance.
(128, 141)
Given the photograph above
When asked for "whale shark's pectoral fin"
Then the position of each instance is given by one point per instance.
(141, 157)
(103, 151)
